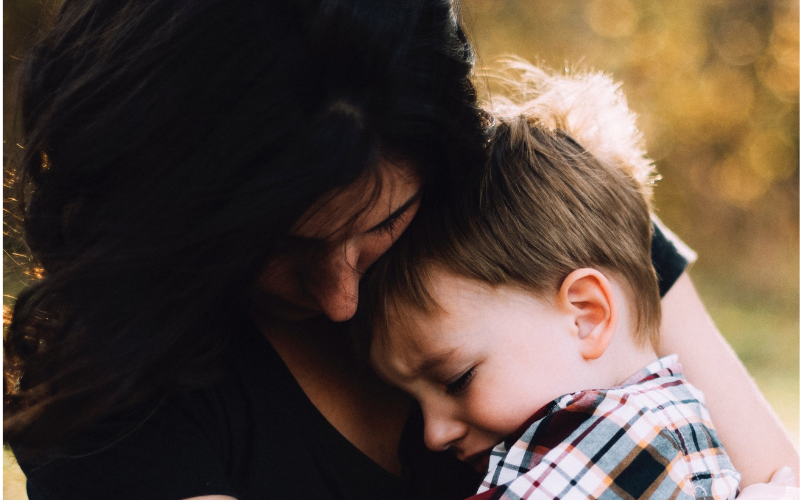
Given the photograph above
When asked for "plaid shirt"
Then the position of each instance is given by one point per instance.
(648, 438)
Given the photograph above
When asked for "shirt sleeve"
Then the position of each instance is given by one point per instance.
(669, 254)
(168, 457)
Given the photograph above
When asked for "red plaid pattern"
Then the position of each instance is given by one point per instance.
(648, 438)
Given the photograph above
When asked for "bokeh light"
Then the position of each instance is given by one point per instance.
(715, 84)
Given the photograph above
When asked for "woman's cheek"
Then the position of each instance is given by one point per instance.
(373, 249)
(277, 277)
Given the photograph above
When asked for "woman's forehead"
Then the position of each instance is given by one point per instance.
(362, 205)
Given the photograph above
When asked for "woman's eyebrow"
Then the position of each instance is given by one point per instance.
(397, 213)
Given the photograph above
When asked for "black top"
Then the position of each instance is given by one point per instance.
(255, 435)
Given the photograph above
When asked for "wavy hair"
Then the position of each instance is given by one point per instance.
(168, 145)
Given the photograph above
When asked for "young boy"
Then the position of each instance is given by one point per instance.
(525, 321)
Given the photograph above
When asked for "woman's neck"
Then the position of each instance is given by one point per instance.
(366, 411)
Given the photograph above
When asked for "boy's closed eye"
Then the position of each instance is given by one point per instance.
(461, 382)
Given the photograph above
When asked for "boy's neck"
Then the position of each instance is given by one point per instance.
(627, 353)
(625, 359)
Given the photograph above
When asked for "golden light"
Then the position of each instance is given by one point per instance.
(612, 18)
(738, 42)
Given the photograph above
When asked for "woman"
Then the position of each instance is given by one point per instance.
(196, 168)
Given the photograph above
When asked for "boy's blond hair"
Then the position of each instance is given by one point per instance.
(567, 186)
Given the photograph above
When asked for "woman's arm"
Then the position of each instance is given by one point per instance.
(780, 487)
(750, 431)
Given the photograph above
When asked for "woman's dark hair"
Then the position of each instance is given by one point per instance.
(167, 147)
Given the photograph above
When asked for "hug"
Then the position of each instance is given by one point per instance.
(204, 185)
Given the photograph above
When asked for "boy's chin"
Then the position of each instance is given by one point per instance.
(480, 461)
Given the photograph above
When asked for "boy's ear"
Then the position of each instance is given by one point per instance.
(588, 295)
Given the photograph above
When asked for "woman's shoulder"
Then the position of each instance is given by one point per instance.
(194, 443)
(252, 434)
(166, 452)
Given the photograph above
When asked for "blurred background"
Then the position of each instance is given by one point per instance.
(715, 84)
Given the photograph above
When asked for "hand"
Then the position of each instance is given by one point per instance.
(782, 486)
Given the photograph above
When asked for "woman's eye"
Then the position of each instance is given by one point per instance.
(462, 382)
(391, 225)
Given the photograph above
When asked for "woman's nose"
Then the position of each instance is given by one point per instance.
(335, 289)
(442, 431)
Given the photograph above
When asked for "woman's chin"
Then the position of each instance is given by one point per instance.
(275, 308)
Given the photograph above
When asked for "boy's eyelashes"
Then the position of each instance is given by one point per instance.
(461, 383)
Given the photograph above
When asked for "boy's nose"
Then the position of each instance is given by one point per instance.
(442, 432)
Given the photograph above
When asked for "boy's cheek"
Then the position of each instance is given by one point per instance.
(495, 416)
(501, 412)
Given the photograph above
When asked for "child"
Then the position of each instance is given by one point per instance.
(525, 322)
